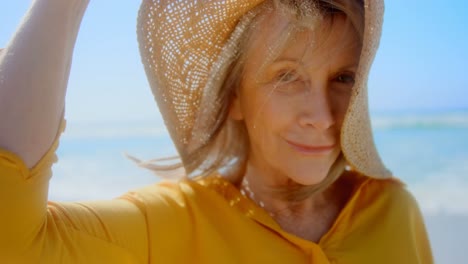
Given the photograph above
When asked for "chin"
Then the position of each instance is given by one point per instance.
(310, 177)
(309, 171)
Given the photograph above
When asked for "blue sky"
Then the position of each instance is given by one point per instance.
(420, 64)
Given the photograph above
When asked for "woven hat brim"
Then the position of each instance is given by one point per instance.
(356, 134)
(181, 40)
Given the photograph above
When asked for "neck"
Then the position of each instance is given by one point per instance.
(308, 218)
(276, 195)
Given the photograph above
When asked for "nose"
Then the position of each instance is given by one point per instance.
(315, 109)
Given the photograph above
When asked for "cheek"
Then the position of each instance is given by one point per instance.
(263, 109)
(339, 105)
(274, 113)
(266, 121)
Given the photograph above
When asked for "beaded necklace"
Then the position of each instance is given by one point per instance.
(247, 192)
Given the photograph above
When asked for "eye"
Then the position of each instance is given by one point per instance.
(346, 78)
(287, 76)
(288, 82)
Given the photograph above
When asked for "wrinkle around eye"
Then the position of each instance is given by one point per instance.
(287, 77)
(291, 88)
(284, 71)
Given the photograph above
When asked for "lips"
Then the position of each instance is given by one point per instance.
(312, 149)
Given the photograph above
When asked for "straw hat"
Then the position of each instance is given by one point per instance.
(180, 43)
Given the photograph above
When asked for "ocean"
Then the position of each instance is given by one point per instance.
(426, 150)
(429, 152)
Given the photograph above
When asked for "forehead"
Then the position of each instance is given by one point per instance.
(277, 36)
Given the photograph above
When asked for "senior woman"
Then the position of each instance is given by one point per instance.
(266, 103)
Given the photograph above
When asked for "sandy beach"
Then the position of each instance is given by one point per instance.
(448, 234)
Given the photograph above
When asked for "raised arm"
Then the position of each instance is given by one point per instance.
(34, 70)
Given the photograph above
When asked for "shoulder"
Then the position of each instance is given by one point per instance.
(173, 197)
(383, 219)
(165, 195)
(372, 192)
(168, 211)
(384, 201)
(389, 194)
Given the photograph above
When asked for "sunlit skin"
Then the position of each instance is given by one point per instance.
(293, 108)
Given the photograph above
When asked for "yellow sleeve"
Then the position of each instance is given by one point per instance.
(36, 231)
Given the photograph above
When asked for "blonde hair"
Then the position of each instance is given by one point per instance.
(227, 145)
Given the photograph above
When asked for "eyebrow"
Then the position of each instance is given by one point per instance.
(287, 59)
(282, 60)
(299, 61)
(349, 66)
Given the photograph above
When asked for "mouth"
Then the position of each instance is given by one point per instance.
(316, 150)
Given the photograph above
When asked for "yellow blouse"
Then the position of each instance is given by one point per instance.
(202, 221)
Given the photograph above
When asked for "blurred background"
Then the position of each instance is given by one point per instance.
(418, 99)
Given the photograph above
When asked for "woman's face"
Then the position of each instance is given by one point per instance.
(293, 106)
